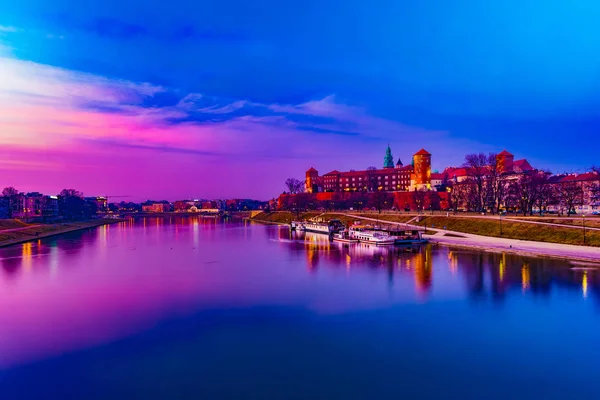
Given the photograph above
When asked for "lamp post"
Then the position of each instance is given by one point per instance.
(500, 223)
(583, 228)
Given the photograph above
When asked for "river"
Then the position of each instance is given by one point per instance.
(197, 309)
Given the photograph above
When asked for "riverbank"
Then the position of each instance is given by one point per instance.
(27, 233)
(507, 245)
(459, 231)
(519, 247)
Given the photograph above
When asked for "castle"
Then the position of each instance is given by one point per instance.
(391, 178)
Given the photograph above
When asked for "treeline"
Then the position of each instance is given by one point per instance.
(487, 188)
(378, 201)
(69, 205)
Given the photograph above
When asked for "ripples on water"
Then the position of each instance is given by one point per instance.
(192, 308)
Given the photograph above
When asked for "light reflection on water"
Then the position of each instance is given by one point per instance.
(428, 306)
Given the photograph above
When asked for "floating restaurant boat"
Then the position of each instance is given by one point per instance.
(328, 228)
(403, 235)
(368, 235)
(343, 236)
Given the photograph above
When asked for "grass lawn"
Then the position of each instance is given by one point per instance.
(513, 230)
(590, 222)
(45, 229)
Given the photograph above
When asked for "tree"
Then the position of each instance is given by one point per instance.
(9, 191)
(545, 192)
(71, 204)
(530, 190)
(11, 194)
(570, 194)
(294, 185)
(477, 168)
(419, 199)
(381, 200)
(371, 178)
(495, 183)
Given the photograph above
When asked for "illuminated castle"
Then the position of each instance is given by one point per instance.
(391, 178)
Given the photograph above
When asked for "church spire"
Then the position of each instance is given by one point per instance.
(388, 160)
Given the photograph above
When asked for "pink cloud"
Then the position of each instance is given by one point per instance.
(63, 128)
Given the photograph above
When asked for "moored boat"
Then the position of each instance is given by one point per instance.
(367, 235)
(328, 228)
(344, 237)
(403, 235)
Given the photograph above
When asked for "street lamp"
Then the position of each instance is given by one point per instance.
(583, 228)
(500, 223)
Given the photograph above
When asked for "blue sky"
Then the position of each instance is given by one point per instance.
(337, 79)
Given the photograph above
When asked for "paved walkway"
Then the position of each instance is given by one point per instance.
(24, 228)
(569, 251)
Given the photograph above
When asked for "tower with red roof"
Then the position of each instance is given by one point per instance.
(312, 176)
(421, 176)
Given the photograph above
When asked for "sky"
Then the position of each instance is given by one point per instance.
(194, 99)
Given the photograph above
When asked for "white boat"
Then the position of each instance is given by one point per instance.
(365, 235)
(295, 225)
(344, 237)
(328, 228)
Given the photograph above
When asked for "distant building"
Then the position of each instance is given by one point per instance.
(157, 207)
(390, 178)
(589, 198)
(187, 205)
(507, 166)
(4, 208)
(100, 202)
(34, 205)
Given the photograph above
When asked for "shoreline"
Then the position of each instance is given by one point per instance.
(86, 225)
(521, 247)
(266, 222)
(595, 262)
(569, 252)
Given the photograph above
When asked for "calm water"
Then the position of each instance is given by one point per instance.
(188, 308)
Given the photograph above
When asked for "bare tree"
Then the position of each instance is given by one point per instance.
(382, 200)
(545, 192)
(477, 168)
(419, 199)
(371, 179)
(570, 194)
(294, 185)
(495, 183)
(12, 195)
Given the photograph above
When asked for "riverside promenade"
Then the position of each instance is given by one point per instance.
(525, 247)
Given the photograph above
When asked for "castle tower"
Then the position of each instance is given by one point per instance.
(388, 160)
(399, 164)
(505, 161)
(421, 176)
(312, 175)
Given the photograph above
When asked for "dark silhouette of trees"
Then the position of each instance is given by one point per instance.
(419, 199)
(11, 194)
(477, 167)
(71, 204)
(570, 194)
(381, 200)
(294, 185)
(371, 179)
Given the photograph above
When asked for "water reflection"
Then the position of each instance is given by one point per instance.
(86, 288)
(486, 275)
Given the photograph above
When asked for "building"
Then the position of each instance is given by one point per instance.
(392, 177)
(100, 202)
(506, 164)
(587, 186)
(5, 208)
(156, 207)
(34, 205)
(187, 205)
